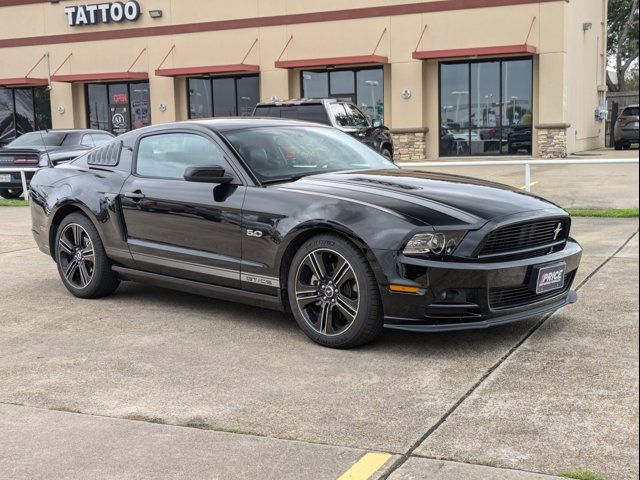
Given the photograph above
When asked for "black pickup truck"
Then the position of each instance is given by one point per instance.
(42, 149)
(342, 115)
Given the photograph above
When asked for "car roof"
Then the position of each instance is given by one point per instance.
(298, 101)
(238, 123)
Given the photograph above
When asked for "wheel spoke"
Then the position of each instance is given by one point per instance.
(317, 265)
(71, 270)
(307, 297)
(85, 277)
(343, 273)
(325, 317)
(65, 247)
(75, 231)
(87, 254)
(348, 307)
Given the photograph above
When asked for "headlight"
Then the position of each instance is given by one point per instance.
(435, 243)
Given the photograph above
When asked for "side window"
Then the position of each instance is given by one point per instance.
(340, 114)
(100, 139)
(168, 155)
(359, 119)
(87, 140)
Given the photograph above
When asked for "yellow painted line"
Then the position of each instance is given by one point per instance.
(532, 184)
(364, 468)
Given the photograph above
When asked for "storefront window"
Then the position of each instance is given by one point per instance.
(118, 107)
(485, 107)
(223, 96)
(23, 110)
(362, 86)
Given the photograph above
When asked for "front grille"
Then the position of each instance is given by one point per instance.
(525, 239)
(511, 297)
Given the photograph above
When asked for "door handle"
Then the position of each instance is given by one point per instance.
(135, 196)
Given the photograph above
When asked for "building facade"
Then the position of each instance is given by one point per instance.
(450, 78)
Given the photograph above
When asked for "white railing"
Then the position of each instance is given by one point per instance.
(526, 163)
(23, 177)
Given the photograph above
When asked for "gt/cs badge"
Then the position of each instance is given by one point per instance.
(255, 233)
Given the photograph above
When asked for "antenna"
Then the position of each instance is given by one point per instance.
(46, 149)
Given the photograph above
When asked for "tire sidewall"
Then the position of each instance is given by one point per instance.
(369, 310)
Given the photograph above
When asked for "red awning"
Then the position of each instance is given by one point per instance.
(100, 77)
(23, 82)
(210, 70)
(335, 61)
(475, 52)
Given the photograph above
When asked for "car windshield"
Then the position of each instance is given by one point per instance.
(39, 139)
(283, 153)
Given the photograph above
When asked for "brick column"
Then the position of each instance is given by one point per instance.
(409, 144)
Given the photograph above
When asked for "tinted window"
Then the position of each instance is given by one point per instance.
(630, 112)
(101, 139)
(7, 127)
(140, 108)
(248, 93)
(25, 115)
(97, 106)
(224, 97)
(358, 118)
(340, 114)
(200, 98)
(168, 155)
(309, 113)
(276, 153)
(267, 111)
(315, 84)
(42, 101)
(88, 141)
(370, 85)
(33, 139)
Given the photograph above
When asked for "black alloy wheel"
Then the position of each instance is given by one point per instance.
(76, 256)
(334, 294)
(82, 261)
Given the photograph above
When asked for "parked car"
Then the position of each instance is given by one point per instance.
(302, 218)
(344, 116)
(626, 130)
(41, 149)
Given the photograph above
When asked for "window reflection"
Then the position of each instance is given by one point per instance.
(485, 107)
(118, 107)
(362, 86)
(223, 96)
(23, 110)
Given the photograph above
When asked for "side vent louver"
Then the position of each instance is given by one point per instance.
(107, 156)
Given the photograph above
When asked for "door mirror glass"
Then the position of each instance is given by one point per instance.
(377, 123)
(207, 174)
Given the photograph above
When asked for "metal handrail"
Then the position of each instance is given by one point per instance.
(526, 163)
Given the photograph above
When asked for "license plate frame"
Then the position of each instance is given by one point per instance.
(6, 178)
(549, 278)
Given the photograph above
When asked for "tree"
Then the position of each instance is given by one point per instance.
(622, 39)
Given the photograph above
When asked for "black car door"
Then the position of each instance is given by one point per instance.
(184, 229)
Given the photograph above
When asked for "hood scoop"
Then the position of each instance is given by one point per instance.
(384, 183)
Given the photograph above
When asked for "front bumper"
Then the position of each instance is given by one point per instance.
(471, 295)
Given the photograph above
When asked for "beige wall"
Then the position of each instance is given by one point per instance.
(567, 69)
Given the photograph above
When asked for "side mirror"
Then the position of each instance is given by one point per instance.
(210, 174)
(377, 123)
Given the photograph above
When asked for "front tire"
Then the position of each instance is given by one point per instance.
(82, 262)
(10, 193)
(334, 294)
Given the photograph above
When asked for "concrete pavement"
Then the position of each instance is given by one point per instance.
(152, 355)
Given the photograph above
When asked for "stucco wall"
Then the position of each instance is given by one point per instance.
(567, 66)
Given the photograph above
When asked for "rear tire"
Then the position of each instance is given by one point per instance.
(82, 262)
(333, 293)
(10, 193)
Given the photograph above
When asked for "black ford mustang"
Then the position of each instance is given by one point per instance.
(302, 218)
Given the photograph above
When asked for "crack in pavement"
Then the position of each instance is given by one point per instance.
(410, 452)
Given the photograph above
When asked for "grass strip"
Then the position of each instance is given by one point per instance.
(613, 213)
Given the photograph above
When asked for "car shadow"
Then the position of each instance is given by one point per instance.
(440, 344)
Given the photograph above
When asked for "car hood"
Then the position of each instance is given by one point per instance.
(428, 197)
